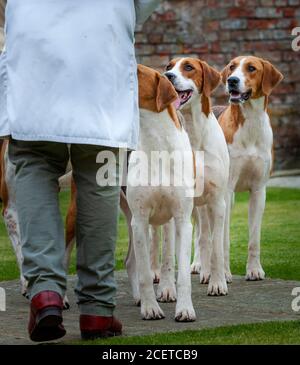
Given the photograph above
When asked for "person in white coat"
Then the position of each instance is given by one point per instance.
(68, 89)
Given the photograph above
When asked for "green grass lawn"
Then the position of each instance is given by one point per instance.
(280, 259)
(280, 237)
(270, 333)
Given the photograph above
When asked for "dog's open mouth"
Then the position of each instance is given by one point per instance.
(236, 97)
(183, 97)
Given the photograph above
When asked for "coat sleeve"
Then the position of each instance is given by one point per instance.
(2, 21)
(144, 8)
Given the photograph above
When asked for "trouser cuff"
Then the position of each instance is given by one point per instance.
(37, 288)
(95, 309)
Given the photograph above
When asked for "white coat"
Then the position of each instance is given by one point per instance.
(68, 73)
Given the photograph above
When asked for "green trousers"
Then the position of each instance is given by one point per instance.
(38, 167)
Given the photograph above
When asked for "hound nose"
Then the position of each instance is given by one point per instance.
(233, 81)
(170, 76)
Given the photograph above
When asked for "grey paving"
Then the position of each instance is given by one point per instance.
(247, 302)
(285, 182)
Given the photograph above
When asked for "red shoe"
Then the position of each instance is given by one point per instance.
(45, 323)
(93, 327)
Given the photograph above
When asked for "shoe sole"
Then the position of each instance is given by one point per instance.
(48, 326)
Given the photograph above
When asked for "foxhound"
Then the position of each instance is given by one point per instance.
(246, 125)
(157, 203)
(194, 81)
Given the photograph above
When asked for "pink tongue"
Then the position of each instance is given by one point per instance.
(177, 103)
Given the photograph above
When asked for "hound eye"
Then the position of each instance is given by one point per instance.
(188, 68)
(251, 68)
(231, 67)
(169, 67)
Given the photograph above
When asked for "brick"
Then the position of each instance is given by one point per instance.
(225, 36)
(216, 3)
(155, 38)
(196, 49)
(211, 37)
(241, 12)
(294, 2)
(268, 12)
(212, 14)
(154, 61)
(168, 16)
(166, 49)
(272, 56)
(144, 50)
(234, 24)
(267, 2)
(230, 47)
(291, 56)
(281, 2)
(287, 23)
(216, 47)
(141, 38)
(266, 45)
(211, 26)
(262, 23)
(288, 12)
(245, 3)
(285, 88)
(218, 59)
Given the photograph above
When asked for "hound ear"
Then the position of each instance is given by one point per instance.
(225, 74)
(211, 79)
(165, 94)
(271, 78)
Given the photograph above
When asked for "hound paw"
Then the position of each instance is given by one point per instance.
(156, 277)
(228, 277)
(166, 293)
(185, 313)
(66, 303)
(137, 302)
(195, 268)
(204, 277)
(217, 288)
(24, 285)
(137, 299)
(151, 311)
(255, 273)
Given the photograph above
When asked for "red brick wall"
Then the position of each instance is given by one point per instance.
(217, 31)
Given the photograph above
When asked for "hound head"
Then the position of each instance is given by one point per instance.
(156, 93)
(192, 78)
(249, 77)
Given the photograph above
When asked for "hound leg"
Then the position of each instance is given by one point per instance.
(130, 261)
(196, 265)
(228, 202)
(216, 213)
(154, 252)
(12, 226)
(256, 210)
(166, 291)
(149, 306)
(184, 307)
(205, 246)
